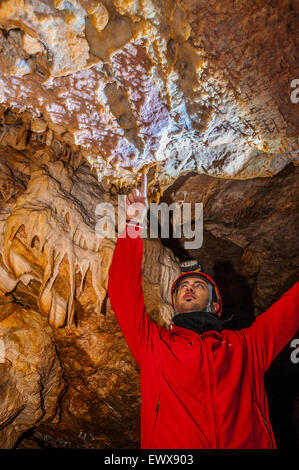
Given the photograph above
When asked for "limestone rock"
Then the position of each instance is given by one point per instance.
(189, 86)
(31, 376)
(52, 261)
(248, 231)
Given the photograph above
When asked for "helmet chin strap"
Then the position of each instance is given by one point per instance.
(209, 307)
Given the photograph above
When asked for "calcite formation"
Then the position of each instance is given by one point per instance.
(200, 95)
(48, 233)
(31, 374)
(53, 262)
(175, 86)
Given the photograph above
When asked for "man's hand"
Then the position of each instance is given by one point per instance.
(137, 203)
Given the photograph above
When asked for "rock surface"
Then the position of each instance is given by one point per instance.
(250, 228)
(174, 86)
(31, 375)
(53, 261)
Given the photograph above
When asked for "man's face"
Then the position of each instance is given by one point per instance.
(193, 295)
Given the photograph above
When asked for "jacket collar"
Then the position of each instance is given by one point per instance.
(199, 322)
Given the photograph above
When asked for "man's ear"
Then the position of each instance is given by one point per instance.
(215, 307)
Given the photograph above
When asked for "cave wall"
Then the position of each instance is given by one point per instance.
(54, 265)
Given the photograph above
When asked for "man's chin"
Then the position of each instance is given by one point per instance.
(190, 307)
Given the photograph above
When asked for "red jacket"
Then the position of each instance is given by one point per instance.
(199, 391)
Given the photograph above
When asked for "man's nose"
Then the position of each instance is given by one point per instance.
(190, 288)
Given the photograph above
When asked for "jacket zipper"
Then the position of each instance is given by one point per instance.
(265, 423)
(211, 386)
(158, 405)
(157, 411)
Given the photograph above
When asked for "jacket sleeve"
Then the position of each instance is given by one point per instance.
(126, 296)
(273, 329)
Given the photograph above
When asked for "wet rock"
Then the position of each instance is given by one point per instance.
(31, 376)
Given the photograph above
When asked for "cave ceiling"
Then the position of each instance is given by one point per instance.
(174, 86)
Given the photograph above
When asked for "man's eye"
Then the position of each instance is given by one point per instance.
(184, 286)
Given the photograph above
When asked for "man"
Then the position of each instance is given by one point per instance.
(202, 386)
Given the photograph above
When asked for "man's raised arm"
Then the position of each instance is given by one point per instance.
(125, 281)
(273, 329)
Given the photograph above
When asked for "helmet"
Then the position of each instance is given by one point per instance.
(193, 268)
